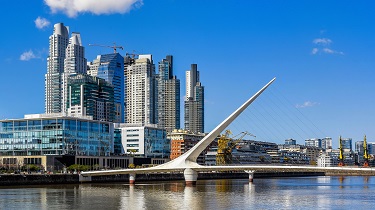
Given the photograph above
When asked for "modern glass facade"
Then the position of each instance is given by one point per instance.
(145, 141)
(55, 136)
(90, 96)
(111, 68)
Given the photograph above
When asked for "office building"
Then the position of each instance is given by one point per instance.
(145, 140)
(111, 68)
(140, 90)
(58, 43)
(55, 134)
(168, 96)
(194, 101)
(90, 96)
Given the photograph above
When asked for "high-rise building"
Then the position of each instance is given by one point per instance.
(74, 63)
(140, 88)
(90, 96)
(168, 96)
(111, 68)
(58, 42)
(194, 101)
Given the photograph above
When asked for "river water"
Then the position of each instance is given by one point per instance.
(273, 193)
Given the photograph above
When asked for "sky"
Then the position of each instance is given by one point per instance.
(321, 52)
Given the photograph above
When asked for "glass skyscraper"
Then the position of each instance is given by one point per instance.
(111, 68)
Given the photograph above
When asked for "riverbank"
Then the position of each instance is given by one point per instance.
(52, 179)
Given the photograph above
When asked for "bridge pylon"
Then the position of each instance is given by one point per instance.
(251, 175)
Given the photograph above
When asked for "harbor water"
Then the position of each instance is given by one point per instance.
(322, 192)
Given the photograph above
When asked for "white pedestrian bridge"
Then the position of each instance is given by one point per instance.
(187, 162)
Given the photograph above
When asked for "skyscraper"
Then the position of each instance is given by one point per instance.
(74, 63)
(140, 90)
(194, 101)
(58, 42)
(168, 103)
(111, 68)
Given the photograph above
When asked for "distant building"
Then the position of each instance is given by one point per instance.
(325, 160)
(290, 142)
(326, 143)
(194, 101)
(347, 143)
(313, 153)
(334, 154)
(168, 96)
(313, 143)
(110, 67)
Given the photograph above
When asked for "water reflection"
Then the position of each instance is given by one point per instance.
(283, 193)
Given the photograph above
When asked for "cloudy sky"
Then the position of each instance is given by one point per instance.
(322, 53)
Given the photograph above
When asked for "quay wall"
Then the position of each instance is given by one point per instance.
(51, 179)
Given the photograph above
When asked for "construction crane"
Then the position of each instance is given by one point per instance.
(114, 46)
(341, 155)
(225, 146)
(366, 156)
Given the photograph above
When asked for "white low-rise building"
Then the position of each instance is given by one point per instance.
(325, 161)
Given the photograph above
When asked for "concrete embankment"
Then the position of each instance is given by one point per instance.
(40, 179)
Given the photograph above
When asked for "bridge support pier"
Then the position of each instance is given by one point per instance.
(251, 175)
(191, 177)
(132, 178)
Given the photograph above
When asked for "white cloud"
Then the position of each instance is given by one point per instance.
(28, 55)
(41, 22)
(322, 45)
(73, 7)
(307, 104)
(330, 51)
(314, 51)
(322, 41)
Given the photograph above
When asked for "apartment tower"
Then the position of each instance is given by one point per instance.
(140, 90)
(58, 42)
(194, 101)
(168, 95)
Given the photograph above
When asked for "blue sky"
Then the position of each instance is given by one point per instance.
(322, 52)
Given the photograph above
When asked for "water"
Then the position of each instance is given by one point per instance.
(274, 193)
